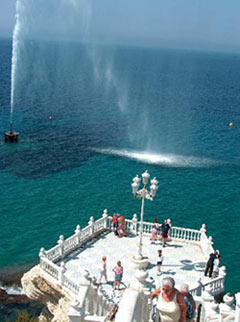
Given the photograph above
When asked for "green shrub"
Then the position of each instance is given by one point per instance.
(24, 316)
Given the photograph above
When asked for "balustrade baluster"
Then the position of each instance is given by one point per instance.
(105, 218)
(61, 245)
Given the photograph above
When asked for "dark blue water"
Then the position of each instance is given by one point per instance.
(72, 99)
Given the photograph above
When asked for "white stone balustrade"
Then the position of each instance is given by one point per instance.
(134, 305)
(61, 245)
(61, 271)
(217, 285)
(100, 225)
(227, 308)
(91, 225)
(129, 225)
(197, 290)
(105, 219)
(49, 269)
(134, 224)
(147, 227)
(186, 234)
(237, 311)
(86, 234)
(54, 254)
(70, 285)
(206, 242)
(70, 244)
(78, 234)
(223, 312)
(64, 247)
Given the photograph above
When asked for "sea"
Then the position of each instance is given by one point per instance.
(91, 117)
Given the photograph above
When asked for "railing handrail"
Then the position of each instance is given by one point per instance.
(127, 220)
(202, 286)
(51, 252)
(70, 285)
(188, 229)
(45, 261)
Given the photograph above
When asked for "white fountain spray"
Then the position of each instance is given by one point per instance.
(15, 50)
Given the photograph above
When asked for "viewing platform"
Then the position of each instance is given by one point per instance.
(184, 261)
(72, 269)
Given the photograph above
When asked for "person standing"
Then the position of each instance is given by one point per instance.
(171, 306)
(165, 229)
(118, 270)
(121, 226)
(154, 234)
(159, 261)
(190, 303)
(103, 271)
(115, 223)
(209, 267)
(216, 264)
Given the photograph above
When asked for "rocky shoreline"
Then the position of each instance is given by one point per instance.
(12, 299)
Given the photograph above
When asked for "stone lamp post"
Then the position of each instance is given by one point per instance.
(143, 194)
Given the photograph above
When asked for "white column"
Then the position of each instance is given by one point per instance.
(237, 312)
(199, 289)
(75, 312)
(222, 271)
(91, 224)
(134, 224)
(210, 242)
(78, 234)
(210, 308)
(203, 234)
(139, 256)
(42, 252)
(61, 244)
(105, 216)
(226, 308)
(41, 255)
(203, 229)
(62, 270)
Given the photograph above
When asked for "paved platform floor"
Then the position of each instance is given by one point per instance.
(182, 261)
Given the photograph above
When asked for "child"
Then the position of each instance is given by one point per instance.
(118, 275)
(154, 234)
(103, 271)
(159, 261)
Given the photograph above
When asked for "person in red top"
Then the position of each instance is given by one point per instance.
(115, 223)
(121, 226)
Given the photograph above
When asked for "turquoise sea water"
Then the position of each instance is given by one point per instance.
(173, 104)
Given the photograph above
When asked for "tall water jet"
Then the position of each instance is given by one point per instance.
(10, 135)
(15, 46)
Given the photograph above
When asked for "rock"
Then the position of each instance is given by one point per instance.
(6, 299)
(13, 275)
(3, 293)
(56, 302)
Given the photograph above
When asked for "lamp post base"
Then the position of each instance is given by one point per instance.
(139, 263)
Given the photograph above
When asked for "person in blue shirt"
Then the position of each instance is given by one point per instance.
(165, 229)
